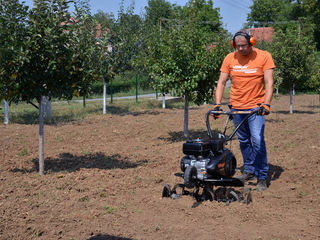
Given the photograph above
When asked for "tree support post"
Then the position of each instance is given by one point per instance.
(136, 88)
(46, 108)
(111, 91)
(291, 102)
(186, 117)
(104, 111)
(6, 112)
(41, 136)
(163, 101)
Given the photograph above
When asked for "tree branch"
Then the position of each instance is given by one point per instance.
(33, 105)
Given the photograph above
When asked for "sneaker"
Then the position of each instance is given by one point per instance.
(246, 176)
(261, 185)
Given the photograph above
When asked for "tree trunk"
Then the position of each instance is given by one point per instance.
(46, 108)
(6, 112)
(293, 91)
(41, 123)
(84, 101)
(104, 96)
(186, 117)
(291, 102)
(163, 101)
(41, 137)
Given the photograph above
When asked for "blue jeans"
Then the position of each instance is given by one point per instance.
(252, 144)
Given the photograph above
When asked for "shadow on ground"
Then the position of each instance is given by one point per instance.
(70, 163)
(312, 107)
(273, 174)
(108, 237)
(295, 112)
(274, 120)
(178, 136)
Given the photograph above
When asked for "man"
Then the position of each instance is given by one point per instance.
(251, 72)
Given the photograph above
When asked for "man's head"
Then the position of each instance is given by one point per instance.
(243, 42)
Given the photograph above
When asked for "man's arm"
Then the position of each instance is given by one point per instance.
(268, 79)
(220, 86)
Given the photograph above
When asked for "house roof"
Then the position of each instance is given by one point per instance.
(98, 28)
(99, 31)
(70, 21)
(262, 34)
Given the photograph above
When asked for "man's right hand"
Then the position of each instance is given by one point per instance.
(216, 107)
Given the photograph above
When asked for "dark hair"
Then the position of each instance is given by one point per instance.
(243, 34)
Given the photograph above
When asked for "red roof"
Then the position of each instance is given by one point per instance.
(99, 31)
(71, 21)
(262, 34)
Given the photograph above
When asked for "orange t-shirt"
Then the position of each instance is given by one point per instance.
(247, 77)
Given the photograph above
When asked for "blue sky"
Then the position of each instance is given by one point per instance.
(233, 12)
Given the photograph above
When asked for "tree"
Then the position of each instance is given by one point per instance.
(155, 10)
(57, 60)
(293, 51)
(314, 81)
(312, 10)
(291, 17)
(122, 38)
(185, 59)
(127, 35)
(13, 17)
(269, 11)
(204, 12)
(105, 19)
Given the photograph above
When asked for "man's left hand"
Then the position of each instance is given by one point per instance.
(264, 110)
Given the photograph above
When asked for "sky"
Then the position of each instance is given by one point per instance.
(233, 12)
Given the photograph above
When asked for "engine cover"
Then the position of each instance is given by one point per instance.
(213, 166)
(202, 148)
(197, 147)
(222, 165)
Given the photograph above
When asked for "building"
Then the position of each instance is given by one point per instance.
(262, 34)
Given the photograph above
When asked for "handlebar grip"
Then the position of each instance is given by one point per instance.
(231, 112)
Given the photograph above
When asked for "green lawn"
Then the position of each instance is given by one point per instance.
(64, 111)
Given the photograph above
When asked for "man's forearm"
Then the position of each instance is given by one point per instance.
(268, 96)
(268, 78)
(219, 92)
(220, 86)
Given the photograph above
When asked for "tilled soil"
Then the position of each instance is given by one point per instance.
(105, 175)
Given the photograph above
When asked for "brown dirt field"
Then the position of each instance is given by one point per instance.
(105, 174)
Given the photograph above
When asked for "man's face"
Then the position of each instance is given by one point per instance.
(242, 45)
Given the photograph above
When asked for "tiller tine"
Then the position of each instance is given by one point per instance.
(167, 192)
(246, 195)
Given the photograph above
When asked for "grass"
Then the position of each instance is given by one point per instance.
(23, 152)
(68, 111)
(59, 139)
(110, 209)
(84, 199)
(84, 152)
(63, 112)
(131, 92)
(303, 194)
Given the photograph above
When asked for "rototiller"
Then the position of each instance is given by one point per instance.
(208, 163)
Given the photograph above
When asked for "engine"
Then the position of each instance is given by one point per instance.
(210, 158)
